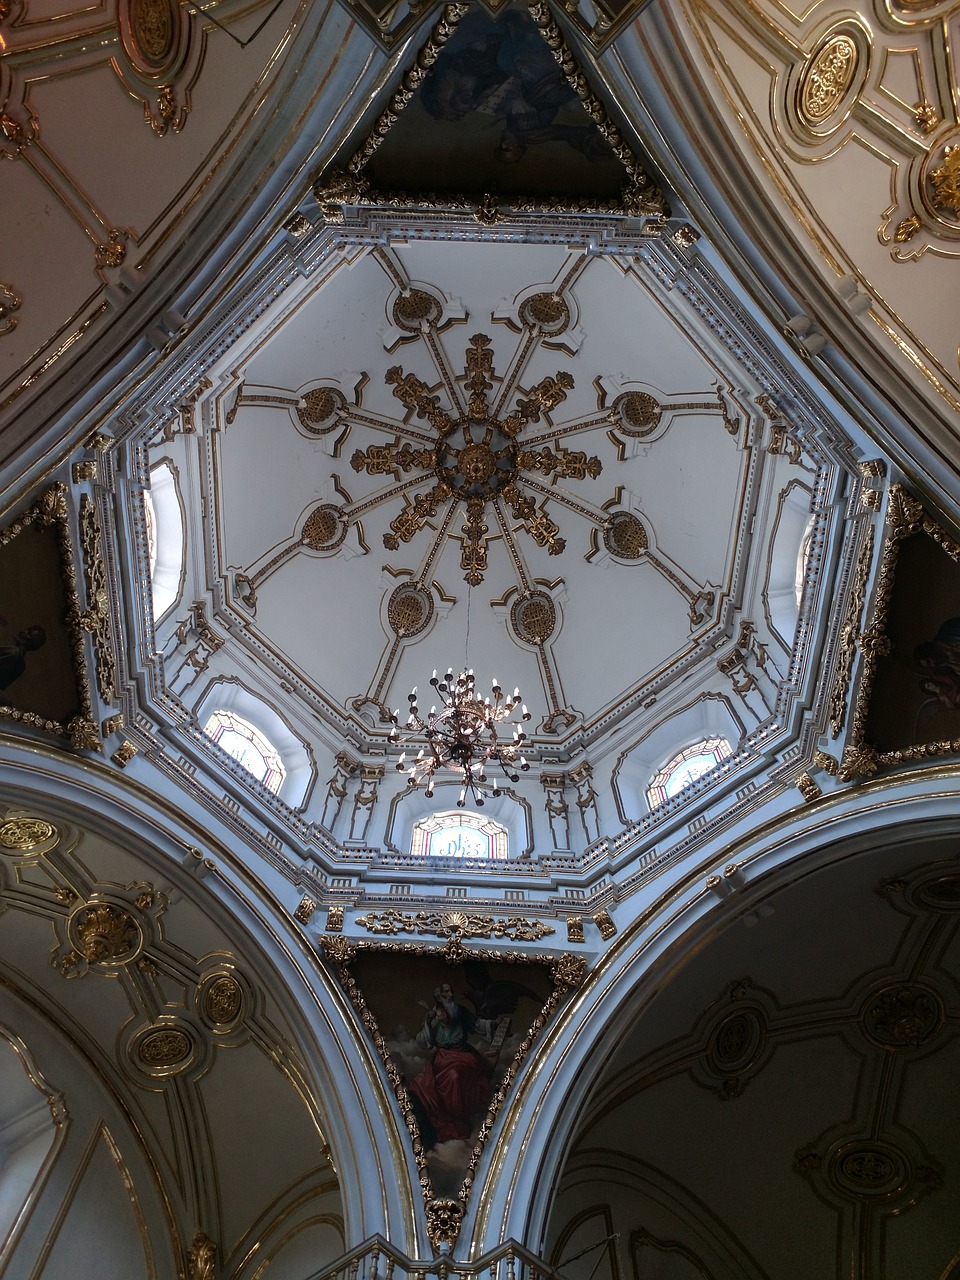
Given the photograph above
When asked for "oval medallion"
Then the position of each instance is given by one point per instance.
(826, 79)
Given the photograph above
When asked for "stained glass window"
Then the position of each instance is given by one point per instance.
(686, 767)
(459, 835)
(248, 746)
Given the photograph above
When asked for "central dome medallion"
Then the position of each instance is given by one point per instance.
(477, 459)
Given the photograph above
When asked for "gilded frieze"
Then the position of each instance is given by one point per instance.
(454, 924)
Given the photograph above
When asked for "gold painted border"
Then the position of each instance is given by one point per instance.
(444, 1217)
(906, 517)
(342, 188)
(51, 509)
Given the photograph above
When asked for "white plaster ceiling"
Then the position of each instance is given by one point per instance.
(685, 480)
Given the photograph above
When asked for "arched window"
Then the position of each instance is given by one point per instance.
(458, 834)
(686, 767)
(164, 520)
(240, 739)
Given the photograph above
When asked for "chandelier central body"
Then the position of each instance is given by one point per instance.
(463, 736)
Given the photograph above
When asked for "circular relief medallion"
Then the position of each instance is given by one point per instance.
(826, 78)
(153, 25)
(409, 610)
(165, 1048)
(534, 617)
(319, 409)
(323, 529)
(223, 1000)
(902, 1016)
(625, 537)
(870, 1169)
(105, 935)
(545, 311)
(19, 834)
(638, 412)
(413, 309)
(942, 894)
(736, 1041)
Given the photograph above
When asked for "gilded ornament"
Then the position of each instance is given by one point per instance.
(335, 918)
(625, 537)
(575, 929)
(604, 922)
(21, 834)
(534, 617)
(84, 471)
(945, 180)
(154, 24)
(305, 909)
(454, 924)
(165, 1047)
(902, 1016)
(808, 788)
(859, 761)
(201, 1258)
(10, 301)
(414, 308)
(826, 78)
(444, 1219)
(569, 971)
(223, 1000)
(124, 754)
(409, 610)
(907, 228)
(546, 312)
(475, 461)
(324, 529)
(112, 253)
(105, 935)
(829, 764)
(96, 619)
(297, 226)
(636, 413)
(926, 116)
(319, 409)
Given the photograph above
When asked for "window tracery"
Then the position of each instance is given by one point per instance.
(685, 767)
(248, 746)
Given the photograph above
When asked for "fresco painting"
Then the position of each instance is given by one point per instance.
(496, 115)
(915, 698)
(453, 1031)
(37, 674)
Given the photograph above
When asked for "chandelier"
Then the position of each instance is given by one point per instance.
(463, 735)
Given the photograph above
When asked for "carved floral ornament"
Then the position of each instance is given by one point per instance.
(107, 932)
